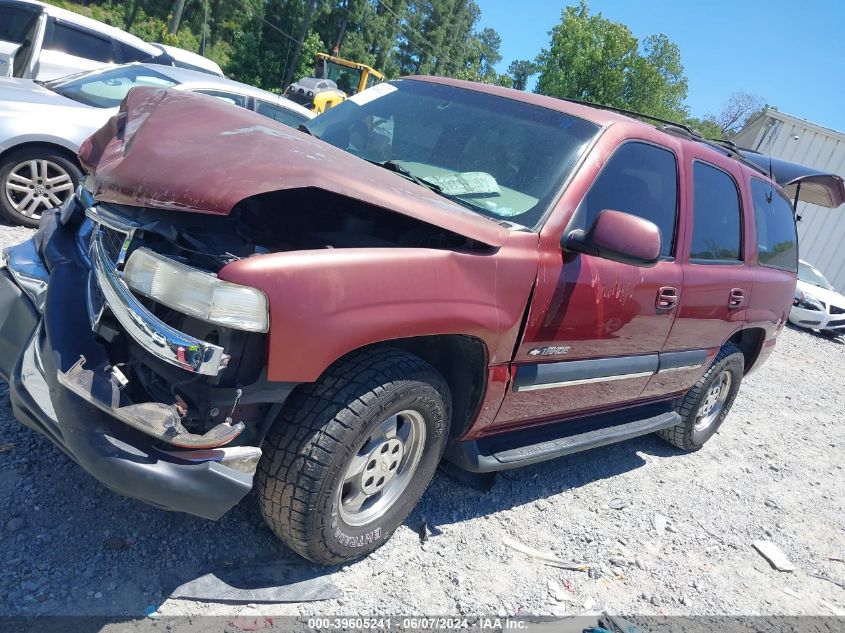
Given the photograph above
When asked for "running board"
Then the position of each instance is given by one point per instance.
(492, 454)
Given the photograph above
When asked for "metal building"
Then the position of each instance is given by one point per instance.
(821, 231)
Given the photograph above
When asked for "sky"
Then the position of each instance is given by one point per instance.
(791, 54)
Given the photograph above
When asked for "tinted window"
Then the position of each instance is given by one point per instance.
(23, 56)
(777, 240)
(716, 232)
(132, 54)
(639, 179)
(228, 97)
(277, 113)
(80, 43)
(14, 23)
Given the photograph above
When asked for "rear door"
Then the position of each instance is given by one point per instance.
(16, 21)
(595, 326)
(716, 258)
(70, 49)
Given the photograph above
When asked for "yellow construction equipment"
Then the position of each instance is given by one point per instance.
(334, 80)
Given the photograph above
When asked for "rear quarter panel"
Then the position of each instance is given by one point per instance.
(773, 291)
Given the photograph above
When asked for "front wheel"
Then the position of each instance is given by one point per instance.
(706, 405)
(33, 180)
(351, 454)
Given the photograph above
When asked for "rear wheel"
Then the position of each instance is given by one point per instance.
(707, 403)
(351, 454)
(33, 180)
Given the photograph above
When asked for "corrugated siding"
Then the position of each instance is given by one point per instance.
(821, 232)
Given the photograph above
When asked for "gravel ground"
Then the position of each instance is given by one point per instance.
(681, 543)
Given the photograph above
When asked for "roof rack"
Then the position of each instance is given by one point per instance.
(726, 147)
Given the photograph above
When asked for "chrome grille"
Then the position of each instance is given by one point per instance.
(837, 310)
(112, 242)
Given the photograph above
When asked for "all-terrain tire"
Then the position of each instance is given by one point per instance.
(323, 426)
(54, 163)
(691, 434)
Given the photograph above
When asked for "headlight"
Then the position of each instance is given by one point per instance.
(196, 293)
(806, 302)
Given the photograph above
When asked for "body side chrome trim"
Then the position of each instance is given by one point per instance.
(532, 376)
(669, 370)
(681, 361)
(583, 381)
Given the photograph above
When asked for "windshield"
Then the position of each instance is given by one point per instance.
(812, 276)
(346, 78)
(107, 88)
(502, 158)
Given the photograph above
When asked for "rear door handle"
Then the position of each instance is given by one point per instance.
(667, 298)
(737, 298)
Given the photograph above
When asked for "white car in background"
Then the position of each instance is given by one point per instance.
(817, 305)
(44, 42)
(187, 59)
(42, 125)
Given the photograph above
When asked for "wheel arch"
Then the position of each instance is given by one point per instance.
(67, 150)
(750, 342)
(461, 360)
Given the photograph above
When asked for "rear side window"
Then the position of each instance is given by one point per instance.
(14, 22)
(66, 39)
(716, 228)
(132, 54)
(777, 238)
(640, 179)
(277, 113)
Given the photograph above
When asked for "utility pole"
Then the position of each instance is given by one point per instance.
(294, 60)
(178, 7)
(342, 31)
(204, 27)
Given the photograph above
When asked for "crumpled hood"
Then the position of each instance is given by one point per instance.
(169, 149)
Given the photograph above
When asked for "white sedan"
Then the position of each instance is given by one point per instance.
(817, 305)
(42, 125)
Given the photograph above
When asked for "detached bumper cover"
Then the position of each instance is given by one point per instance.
(44, 330)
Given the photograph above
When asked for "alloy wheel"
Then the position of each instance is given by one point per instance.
(35, 185)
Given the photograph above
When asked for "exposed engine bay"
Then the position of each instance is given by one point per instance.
(295, 219)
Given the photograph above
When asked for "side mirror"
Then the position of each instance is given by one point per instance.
(617, 236)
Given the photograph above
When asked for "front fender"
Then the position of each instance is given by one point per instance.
(327, 303)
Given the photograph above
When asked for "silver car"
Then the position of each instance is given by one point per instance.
(42, 125)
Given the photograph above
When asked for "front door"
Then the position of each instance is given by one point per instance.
(595, 326)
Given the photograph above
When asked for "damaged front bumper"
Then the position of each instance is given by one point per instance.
(60, 384)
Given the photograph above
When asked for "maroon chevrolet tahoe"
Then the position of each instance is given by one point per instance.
(432, 270)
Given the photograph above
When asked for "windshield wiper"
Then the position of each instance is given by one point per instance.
(403, 171)
(396, 168)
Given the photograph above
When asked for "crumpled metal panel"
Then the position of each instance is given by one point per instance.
(177, 150)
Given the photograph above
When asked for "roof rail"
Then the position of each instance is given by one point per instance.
(726, 147)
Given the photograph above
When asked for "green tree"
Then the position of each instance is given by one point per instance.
(595, 59)
(520, 70)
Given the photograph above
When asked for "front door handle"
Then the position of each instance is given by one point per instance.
(736, 298)
(667, 298)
